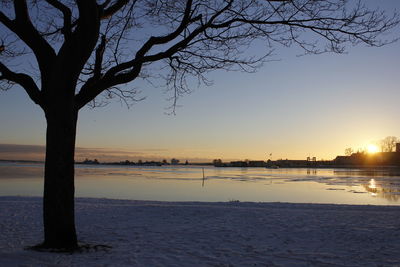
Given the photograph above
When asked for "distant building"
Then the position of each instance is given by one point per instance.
(238, 164)
(127, 162)
(174, 161)
(217, 163)
(89, 161)
(256, 163)
(286, 163)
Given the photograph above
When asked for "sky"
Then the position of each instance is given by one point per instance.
(293, 107)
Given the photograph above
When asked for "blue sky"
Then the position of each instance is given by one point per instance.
(295, 107)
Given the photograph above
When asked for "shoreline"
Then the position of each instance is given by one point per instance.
(230, 203)
(328, 166)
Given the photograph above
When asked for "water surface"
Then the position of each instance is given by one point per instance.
(185, 183)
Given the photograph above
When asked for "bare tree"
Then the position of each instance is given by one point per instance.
(388, 144)
(67, 54)
(348, 151)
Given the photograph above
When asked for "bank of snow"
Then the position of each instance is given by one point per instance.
(144, 233)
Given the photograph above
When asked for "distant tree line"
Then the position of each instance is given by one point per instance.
(139, 162)
(387, 144)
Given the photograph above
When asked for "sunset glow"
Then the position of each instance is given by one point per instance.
(372, 148)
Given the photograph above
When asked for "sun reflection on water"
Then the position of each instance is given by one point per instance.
(386, 189)
(372, 188)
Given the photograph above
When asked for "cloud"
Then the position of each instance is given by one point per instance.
(24, 152)
(12, 148)
(84, 150)
(37, 153)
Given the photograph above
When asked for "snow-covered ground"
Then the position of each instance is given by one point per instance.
(145, 233)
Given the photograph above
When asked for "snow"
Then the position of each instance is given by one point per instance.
(149, 233)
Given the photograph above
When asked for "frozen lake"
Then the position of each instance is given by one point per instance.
(185, 183)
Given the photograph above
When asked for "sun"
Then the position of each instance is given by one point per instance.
(372, 148)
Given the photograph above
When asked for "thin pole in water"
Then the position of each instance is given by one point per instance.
(203, 177)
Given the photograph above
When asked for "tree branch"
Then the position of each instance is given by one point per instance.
(99, 58)
(111, 79)
(25, 81)
(183, 43)
(67, 28)
(152, 41)
(111, 10)
(24, 29)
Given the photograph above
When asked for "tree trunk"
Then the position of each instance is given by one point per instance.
(59, 190)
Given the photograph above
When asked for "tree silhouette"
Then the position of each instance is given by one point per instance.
(388, 144)
(83, 52)
(348, 151)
